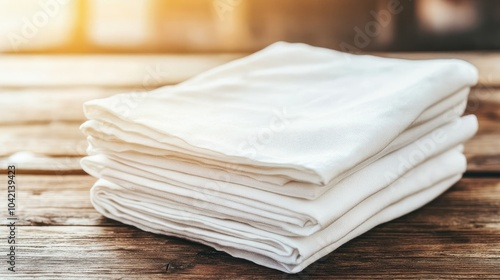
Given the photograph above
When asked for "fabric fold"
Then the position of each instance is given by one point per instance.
(283, 214)
(246, 123)
(276, 248)
(282, 156)
(242, 174)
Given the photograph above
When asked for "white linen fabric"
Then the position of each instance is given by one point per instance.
(271, 211)
(282, 156)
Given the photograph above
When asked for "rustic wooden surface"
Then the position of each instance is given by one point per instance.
(61, 236)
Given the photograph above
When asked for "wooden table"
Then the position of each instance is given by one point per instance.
(61, 236)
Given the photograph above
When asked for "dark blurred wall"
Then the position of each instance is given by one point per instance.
(349, 25)
(441, 25)
(382, 25)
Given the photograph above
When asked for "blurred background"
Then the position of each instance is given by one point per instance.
(204, 26)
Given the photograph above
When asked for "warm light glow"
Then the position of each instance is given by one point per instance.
(36, 25)
(188, 26)
(129, 25)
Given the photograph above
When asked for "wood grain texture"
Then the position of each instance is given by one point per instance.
(483, 151)
(27, 164)
(488, 63)
(36, 106)
(156, 70)
(455, 236)
(48, 200)
(61, 236)
(53, 139)
(53, 148)
(133, 71)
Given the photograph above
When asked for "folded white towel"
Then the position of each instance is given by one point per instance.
(155, 213)
(108, 138)
(266, 210)
(282, 156)
(303, 113)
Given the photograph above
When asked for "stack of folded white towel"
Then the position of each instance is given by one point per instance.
(284, 155)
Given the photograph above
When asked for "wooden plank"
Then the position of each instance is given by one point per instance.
(115, 252)
(27, 106)
(488, 63)
(104, 70)
(64, 200)
(53, 139)
(455, 236)
(156, 70)
(483, 151)
(28, 164)
(53, 148)
(48, 200)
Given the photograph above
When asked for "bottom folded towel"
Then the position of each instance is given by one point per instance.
(291, 254)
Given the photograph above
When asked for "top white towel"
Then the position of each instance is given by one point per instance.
(300, 112)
